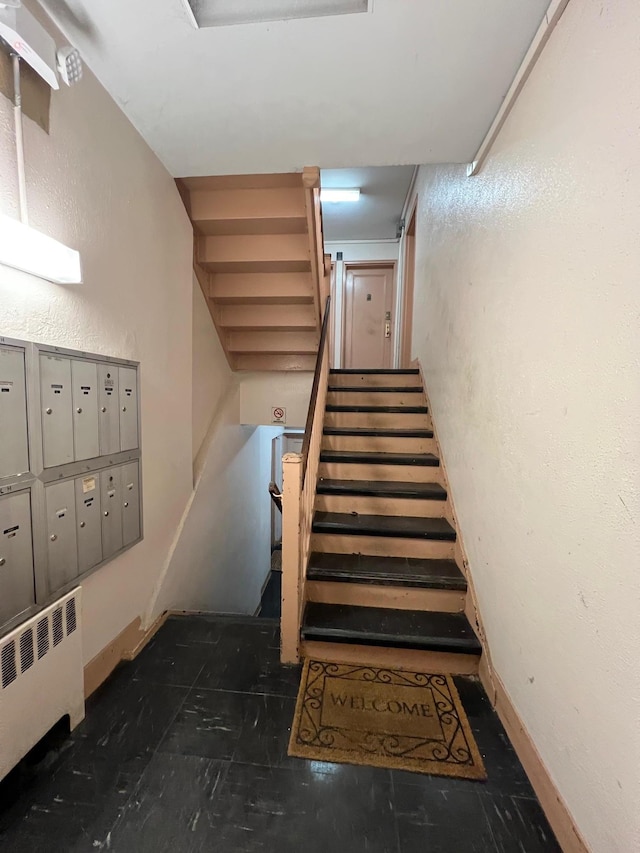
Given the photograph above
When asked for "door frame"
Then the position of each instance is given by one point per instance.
(408, 285)
(349, 266)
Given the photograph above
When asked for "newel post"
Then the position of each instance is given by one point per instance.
(291, 578)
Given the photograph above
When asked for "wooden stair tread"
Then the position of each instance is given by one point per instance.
(393, 410)
(382, 489)
(385, 571)
(375, 432)
(395, 526)
(380, 626)
(376, 389)
(373, 372)
(380, 458)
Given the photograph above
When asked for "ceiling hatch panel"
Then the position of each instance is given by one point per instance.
(221, 13)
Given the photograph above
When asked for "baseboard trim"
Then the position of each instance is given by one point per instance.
(553, 805)
(126, 646)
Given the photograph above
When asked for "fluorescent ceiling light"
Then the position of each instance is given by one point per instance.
(331, 194)
(31, 251)
(220, 13)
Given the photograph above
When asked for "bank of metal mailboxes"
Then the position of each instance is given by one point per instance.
(70, 475)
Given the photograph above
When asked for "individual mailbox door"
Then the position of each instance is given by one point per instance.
(14, 448)
(111, 508)
(108, 402)
(89, 522)
(61, 532)
(57, 421)
(17, 590)
(130, 503)
(84, 389)
(128, 382)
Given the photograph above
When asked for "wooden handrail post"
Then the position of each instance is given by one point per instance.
(291, 569)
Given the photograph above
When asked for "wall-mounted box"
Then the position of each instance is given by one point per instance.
(17, 585)
(89, 522)
(14, 443)
(57, 418)
(84, 393)
(69, 470)
(62, 547)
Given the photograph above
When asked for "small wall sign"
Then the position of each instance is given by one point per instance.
(278, 415)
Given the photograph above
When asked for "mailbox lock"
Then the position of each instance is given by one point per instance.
(106, 513)
(82, 523)
(79, 410)
(126, 504)
(2, 561)
(48, 411)
(103, 409)
(53, 537)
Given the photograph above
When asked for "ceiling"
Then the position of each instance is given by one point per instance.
(413, 81)
(375, 215)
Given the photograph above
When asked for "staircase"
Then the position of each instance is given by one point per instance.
(259, 259)
(383, 580)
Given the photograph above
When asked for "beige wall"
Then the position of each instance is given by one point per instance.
(527, 319)
(94, 184)
(210, 370)
(261, 392)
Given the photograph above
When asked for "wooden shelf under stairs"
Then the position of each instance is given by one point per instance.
(384, 579)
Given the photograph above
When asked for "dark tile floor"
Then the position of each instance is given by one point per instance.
(271, 603)
(185, 750)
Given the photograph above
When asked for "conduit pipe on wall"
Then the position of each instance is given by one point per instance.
(17, 117)
(542, 36)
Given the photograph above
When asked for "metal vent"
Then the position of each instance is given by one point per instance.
(26, 651)
(221, 13)
(8, 664)
(71, 616)
(42, 634)
(57, 626)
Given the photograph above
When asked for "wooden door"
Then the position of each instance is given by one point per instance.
(368, 323)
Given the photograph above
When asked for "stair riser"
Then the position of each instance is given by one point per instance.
(379, 444)
(414, 660)
(369, 505)
(397, 473)
(382, 546)
(371, 398)
(375, 380)
(382, 420)
(397, 598)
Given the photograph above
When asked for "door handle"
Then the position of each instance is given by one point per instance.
(387, 329)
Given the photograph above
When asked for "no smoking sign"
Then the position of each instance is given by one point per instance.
(278, 415)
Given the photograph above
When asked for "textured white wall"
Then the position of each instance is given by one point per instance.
(94, 184)
(527, 311)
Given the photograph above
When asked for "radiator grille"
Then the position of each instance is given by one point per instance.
(42, 632)
(71, 616)
(19, 654)
(26, 650)
(8, 664)
(57, 626)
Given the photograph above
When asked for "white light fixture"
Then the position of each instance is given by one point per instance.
(331, 194)
(31, 251)
(29, 40)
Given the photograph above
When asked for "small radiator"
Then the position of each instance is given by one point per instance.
(41, 678)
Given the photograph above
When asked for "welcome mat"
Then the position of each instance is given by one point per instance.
(385, 718)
